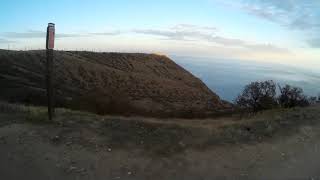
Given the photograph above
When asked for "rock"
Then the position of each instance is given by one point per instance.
(69, 143)
(182, 144)
(55, 138)
(244, 174)
(82, 170)
(72, 168)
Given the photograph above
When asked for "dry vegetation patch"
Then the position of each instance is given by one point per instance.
(164, 136)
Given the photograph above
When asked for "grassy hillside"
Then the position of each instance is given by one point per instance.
(107, 83)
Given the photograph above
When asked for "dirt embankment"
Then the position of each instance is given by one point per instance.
(108, 83)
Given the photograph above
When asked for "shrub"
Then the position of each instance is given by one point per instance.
(258, 96)
(292, 97)
(312, 100)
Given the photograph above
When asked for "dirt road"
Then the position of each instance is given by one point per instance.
(44, 151)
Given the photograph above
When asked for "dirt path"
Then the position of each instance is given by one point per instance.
(34, 152)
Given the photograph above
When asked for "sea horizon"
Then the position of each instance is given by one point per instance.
(227, 77)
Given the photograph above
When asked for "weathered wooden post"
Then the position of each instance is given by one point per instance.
(49, 64)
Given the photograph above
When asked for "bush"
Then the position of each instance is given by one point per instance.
(258, 96)
(292, 97)
(312, 100)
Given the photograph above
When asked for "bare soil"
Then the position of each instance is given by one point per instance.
(85, 146)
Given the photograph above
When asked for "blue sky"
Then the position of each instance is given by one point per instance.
(284, 31)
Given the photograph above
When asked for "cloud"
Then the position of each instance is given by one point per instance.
(238, 43)
(185, 32)
(5, 41)
(111, 33)
(42, 34)
(63, 35)
(302, 23)
(315, 43)
(35, 34)
(226, 41)
(194, 27)
(28, 34)
(293, 14)
(268, 48)
(201, 34)
(264, 13)
(169, 34)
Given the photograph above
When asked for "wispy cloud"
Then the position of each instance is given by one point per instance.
(268, 48)
(314, 42)
(35, 34)
(183, 32)
(303, 23)
(28, 34)
(194, 27)
(108, 33)
(64, 35)
(209, 35)
(267, 13)
(42, 34)
(5, 41)
(294, 14)
(169, 34)
(298, 15)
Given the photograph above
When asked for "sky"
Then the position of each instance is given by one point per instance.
(282, 31)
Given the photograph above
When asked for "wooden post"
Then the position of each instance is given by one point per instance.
(49, 66)
(50, 83)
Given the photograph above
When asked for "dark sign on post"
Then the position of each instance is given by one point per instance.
(50, 47)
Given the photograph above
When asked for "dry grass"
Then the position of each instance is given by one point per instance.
(107, 83)
(170, 136)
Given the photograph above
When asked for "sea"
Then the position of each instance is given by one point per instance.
(227, 77)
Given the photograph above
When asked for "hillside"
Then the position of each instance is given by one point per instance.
(108, 83)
